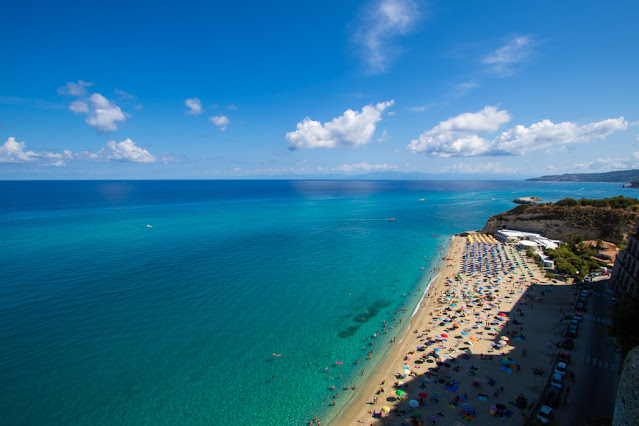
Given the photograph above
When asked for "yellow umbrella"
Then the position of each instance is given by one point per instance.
(385, 409)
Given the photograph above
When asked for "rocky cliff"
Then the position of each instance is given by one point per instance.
(556, 222)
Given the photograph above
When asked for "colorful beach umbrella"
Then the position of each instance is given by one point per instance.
(400, 392)
(413, 403)
(385, 409)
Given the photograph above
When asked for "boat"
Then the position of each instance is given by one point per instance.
(422, 199)
(390, 218)
(149, 226)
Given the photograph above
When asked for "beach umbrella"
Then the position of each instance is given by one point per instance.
(501, 314)
(413, 403)
(506, 338)
(417, 415)
(444, 335)
(474, 339)
(385, 409)
(422, 395)
(400, 392)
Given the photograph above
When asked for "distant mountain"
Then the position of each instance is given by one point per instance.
(621, 176)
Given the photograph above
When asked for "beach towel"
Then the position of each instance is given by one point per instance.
(452, 388)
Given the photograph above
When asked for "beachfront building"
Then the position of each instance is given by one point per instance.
(625, 273)
(526, 239)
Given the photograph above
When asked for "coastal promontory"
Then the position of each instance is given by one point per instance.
(609, 219)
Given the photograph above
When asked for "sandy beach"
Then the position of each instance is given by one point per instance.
(488, 322)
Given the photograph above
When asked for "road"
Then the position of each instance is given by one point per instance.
(594, 362)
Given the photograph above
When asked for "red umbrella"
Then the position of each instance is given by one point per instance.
(422, 395)
(444, 335)
(501, 314)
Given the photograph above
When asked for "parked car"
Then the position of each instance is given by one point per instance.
(552, 398)
(581, 307)
(556, 380)
(544, 414)
(561, 368)
(578, 316)
(610, 292)
(568, 344)
(564, 357)
(572, 330)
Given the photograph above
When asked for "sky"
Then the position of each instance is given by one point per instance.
(237, 89)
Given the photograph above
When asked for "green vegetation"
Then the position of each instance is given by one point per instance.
(620, 202)
(574, 256)
(625, 318)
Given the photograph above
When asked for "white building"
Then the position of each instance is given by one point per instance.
(526, 239)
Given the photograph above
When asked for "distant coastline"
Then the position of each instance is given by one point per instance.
(619, 176)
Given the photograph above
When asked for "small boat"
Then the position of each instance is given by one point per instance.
(422, 199)
(390, 218)
(149, 226)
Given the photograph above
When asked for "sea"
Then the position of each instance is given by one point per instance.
(218, 302)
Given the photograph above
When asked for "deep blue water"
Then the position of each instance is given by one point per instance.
(107, 321)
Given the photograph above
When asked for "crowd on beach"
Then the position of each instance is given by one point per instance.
(463, 359)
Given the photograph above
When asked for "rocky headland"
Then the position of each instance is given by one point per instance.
(607, 221)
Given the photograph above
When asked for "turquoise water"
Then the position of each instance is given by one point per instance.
(107, 321)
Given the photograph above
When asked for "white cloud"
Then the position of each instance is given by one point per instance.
(487, 120)
(488, 167)
(381, 23)
(465, 87)
(456, 136)
(13, 152)
(421, 108)
(384, 136)
(104, 114)
(126, 151)
(75, 89)
(502, 60)
(545, 134)
(194, 105)
(79, 106)
(353, 128)
(221, 121)
(364, 167)
(124, 95)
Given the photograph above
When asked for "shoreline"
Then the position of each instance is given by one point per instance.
(486, 304)
(353, 409)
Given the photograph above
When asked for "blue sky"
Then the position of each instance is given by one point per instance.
(232, 89)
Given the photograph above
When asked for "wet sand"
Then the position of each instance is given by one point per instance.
(473, 301)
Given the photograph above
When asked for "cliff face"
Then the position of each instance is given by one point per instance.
(557, 222)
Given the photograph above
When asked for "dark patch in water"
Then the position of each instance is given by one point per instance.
(434, 235)
(348, 332)
(363, 318)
